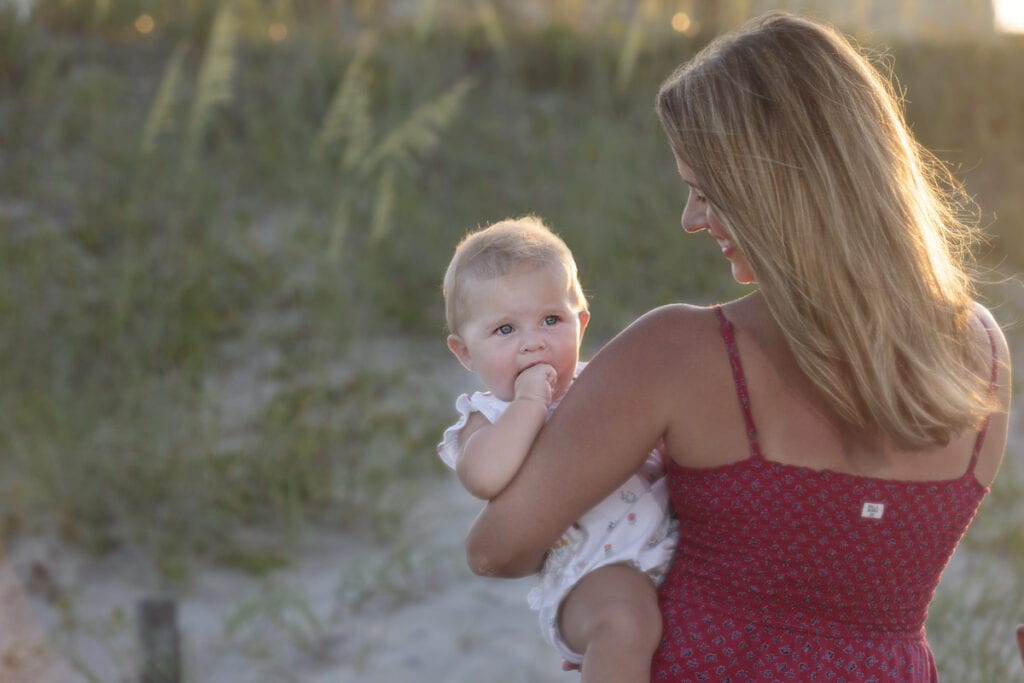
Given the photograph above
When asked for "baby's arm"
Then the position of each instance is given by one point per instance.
(491, 454)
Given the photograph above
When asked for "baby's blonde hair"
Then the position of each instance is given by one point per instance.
(857, 235)
(508, 246)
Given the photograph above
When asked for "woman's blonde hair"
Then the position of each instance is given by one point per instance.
(508, 246)
(857, 235)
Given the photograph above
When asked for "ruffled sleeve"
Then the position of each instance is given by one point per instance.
(480, 402)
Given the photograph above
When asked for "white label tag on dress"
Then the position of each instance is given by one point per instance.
(873, 510)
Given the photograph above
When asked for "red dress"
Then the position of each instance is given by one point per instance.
(785, 573)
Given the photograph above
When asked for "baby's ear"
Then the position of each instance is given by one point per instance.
(584, 319)
(460, 350)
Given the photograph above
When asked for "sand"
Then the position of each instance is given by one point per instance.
(293, 625)
(348, 608)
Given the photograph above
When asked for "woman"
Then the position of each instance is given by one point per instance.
(832, 433)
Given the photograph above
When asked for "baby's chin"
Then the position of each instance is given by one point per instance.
(555, 398)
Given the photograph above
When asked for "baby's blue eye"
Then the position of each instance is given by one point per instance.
(551, 320)
(504, 329)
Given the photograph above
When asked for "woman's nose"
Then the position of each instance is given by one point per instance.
(693, 219)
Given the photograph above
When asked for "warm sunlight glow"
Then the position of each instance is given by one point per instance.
(144, 24)
(277, 31)
(682, 23)
(1009, 15)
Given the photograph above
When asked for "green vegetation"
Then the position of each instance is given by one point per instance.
(178, 204)
(202, 227)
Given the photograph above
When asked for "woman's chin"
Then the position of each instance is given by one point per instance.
(742, 274)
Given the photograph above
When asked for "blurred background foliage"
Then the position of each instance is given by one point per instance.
(218, 216)
(223, 225)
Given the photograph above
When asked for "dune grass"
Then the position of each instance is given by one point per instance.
(197, 225)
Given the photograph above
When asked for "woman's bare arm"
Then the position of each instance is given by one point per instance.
(600, 434)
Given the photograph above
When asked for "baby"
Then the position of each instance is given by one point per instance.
(516, 314)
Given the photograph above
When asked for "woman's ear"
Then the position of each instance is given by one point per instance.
(460, 351)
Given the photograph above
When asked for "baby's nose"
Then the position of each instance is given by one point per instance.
(532, 342)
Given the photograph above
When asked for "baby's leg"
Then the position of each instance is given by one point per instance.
(612, 618)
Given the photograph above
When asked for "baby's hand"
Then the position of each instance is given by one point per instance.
(537, 383)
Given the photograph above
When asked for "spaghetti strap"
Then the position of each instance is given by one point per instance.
(980, 440)
(729, 337)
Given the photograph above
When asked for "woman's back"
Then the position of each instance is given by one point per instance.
(795, 425)
(797, 564)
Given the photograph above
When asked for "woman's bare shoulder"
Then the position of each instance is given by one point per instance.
(994, 351)
(666, 346)
(674, 326)
(661, 344)
(992, 344)
(990, 333)
(988, 321)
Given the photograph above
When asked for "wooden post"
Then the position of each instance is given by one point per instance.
(159, 641)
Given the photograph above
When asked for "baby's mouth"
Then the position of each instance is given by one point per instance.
(530, 365)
